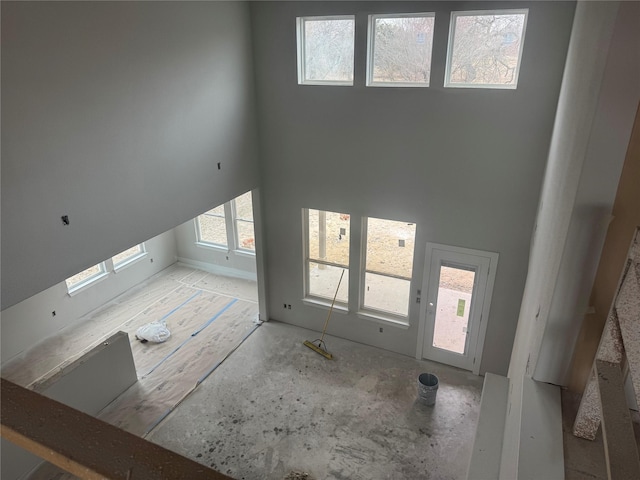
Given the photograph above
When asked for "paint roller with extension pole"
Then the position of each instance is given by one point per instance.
(321, 347)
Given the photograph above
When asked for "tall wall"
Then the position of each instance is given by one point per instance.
(596, 30)
(117, 114)
(465, 165)
(604, 156)
(626, 218)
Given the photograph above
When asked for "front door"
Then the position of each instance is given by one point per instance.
(458, 283)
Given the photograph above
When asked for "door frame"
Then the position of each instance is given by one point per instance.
(486, 300)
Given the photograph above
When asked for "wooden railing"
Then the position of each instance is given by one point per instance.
(86, 446)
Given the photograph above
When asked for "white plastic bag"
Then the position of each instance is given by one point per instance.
(153, 332)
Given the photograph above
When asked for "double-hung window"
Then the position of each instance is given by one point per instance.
(212, 227)
(228, 226)
(388, 267)
(243, 219)
(326, 255)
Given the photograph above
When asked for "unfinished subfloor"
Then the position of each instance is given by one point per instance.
(276, 406)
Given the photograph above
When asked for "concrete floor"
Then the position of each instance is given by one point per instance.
(275, 406)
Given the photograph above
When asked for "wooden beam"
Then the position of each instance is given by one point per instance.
(620, 449)
(84, 445)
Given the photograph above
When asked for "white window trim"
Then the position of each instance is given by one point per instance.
(380, 317)
(88, 282)
(117, 267)
(300, 43)
(373, 313)
(233, 243)
(308, 298)
(499, 86)
(371, 48)
(205, 243)
(234, 227)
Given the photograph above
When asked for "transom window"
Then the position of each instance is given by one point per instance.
(399, 50)
(325, 50)
(327, 254)
(386, 278)
(485, 48)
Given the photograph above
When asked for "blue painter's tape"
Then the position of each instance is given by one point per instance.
(201, 328)
(181, 305)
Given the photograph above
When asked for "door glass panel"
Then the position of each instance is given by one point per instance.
(455, 289)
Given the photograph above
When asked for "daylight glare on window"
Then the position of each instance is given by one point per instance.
(212, 227)
(389, 265)
(244, 222)
(328, 254)
(128, 255)
(325, 50)
(400, 49)
(84, 277)
(485, 48)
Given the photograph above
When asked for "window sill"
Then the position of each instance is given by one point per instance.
(129, 262)
(244, 253)
(315, 302)
(398, 85)
(213, 246)
(85, 285)
(320, 83)
(386, 320)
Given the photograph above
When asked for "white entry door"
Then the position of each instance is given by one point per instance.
(458, 283)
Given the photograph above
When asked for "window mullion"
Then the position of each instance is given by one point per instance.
(230, 224)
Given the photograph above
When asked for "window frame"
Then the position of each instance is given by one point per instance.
(300, 50)
(130, 260)
(87, 282)
(231, 229)
(451, 40)
(371, 50)
(206, 243)
(375, 314)
(308, 297)
(235, 219)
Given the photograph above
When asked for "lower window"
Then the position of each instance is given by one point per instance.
(388, 246)
(327, 255)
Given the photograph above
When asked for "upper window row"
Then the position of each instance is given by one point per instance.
(484, 50)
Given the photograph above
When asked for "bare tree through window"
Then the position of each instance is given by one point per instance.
(486, 48)
(325, 49)
(401, 49)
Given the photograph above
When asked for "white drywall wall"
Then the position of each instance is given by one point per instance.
(117, 114)
(586, 60)
(465, 165)
(607, 146)
(29, 322)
